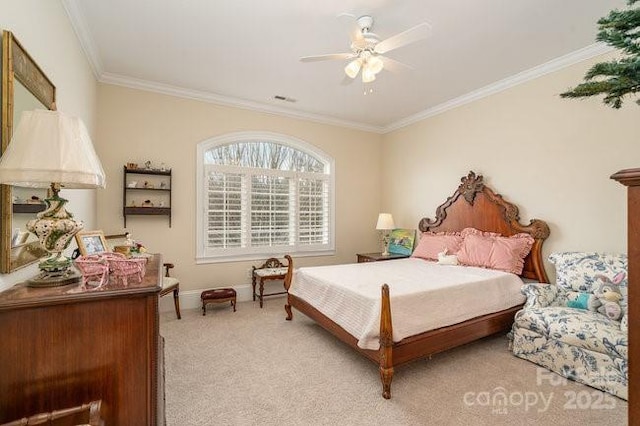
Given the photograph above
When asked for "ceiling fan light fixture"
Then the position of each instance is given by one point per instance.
(375, 64)
(353, 68)
(368, 75)
(367, 50)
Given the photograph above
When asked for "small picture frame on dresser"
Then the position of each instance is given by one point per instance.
(91, 242)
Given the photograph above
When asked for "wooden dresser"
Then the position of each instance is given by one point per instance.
(65, 346)
(631, 179)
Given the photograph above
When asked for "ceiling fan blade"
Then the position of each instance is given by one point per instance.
(395, 66)
(406, 37)
(330, 57)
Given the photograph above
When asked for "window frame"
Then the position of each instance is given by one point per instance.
(254, 253)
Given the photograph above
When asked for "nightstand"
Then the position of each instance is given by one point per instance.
(377, 257)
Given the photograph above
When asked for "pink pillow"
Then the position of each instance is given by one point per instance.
(490, 250)
(432, 243)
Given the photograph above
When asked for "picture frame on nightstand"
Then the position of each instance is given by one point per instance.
(401, 241)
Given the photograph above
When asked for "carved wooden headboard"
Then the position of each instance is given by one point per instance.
(475, 205)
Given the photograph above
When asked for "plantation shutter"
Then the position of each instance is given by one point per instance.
(225, 215)
(313, 211)
(271, 205)
(262, 198)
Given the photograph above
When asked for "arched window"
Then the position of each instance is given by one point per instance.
(263, 194)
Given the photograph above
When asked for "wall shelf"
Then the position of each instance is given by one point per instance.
(28, 208)
(136, 193)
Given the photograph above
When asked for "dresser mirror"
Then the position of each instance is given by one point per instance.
(24, 87)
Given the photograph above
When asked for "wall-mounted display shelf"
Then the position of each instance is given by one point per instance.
(146, 192)
(28, 207)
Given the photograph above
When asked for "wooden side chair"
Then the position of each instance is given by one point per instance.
(171, 285)
(272, 269)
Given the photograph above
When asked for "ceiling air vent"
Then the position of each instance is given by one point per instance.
(284, 98)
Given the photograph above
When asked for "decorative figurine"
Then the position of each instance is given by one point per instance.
(128, 239)
(147, 164)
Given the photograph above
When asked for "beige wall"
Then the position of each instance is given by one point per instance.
(44, 30)
(137, 126)
(551, 156)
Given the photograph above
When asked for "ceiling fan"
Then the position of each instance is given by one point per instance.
(367, 49)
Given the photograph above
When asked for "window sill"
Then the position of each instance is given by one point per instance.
(258, 256)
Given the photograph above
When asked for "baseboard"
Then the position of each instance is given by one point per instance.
(190, 299)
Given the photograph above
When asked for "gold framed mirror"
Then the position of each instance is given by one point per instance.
(24, 87)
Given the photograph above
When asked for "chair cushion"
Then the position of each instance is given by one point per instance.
(577, 327)
(270, 272)
(169, 281)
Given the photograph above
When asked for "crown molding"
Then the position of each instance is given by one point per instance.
(78, 22)
(198, 95)
(499, 86)
(556, 64)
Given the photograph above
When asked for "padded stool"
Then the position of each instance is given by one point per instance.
(218, 295)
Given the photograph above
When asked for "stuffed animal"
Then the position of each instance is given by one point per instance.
(580, 300)
(444, 259)
(609, 296)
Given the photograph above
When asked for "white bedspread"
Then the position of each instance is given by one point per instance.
(424, 295)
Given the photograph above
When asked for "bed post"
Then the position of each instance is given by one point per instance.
(287, 284)
(386, 343)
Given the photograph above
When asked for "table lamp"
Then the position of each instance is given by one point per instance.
(52, 150)
(384, 225)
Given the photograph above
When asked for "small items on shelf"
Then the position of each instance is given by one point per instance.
(29, 205)
(133, 167)
(149, 194)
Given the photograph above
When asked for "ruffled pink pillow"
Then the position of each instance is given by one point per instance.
(432, 243)
(491, 250)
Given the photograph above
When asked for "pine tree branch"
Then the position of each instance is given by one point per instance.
(617, 78)
(620, 30)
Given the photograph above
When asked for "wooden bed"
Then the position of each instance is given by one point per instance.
(472, 205)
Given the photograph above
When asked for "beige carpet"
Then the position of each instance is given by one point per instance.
(252, 367)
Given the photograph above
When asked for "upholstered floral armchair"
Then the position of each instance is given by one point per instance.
(578, 327)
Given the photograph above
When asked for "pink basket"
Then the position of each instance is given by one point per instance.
(124, 268)
(94, 269)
